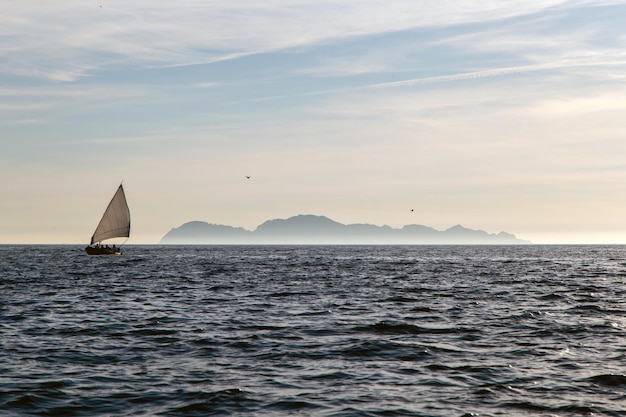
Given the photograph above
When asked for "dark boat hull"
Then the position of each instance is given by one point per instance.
(91, 250)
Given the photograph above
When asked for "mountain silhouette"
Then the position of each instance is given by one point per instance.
(311, 229)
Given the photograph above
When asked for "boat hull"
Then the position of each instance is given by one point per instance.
(102, 251)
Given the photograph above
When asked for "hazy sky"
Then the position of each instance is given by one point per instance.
(495, 114)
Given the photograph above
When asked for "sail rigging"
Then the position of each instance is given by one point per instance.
(115, 221)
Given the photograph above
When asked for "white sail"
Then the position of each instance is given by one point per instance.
(115, 221)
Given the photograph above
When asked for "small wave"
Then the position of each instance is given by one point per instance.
(390, 328)
(222, 402)
(421, 309)
(152, 332)
(297, 406)
(221, 288)
(552, 296)
(534, 407)
(377, 349)
(330, 376)
(437, 367)
(403, 328)
(290, 294)
(588, 307)
(376, 412)
(610, 380)
(39, 403)
(402, 299)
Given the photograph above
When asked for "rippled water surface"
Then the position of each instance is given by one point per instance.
(314, 331)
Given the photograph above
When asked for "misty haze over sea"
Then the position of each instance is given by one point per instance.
(310, 229)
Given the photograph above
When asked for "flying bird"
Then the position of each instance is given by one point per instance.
(248, 177)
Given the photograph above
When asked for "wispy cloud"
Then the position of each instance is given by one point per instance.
(68, 39)
(206, 85)
(25, 107)
(27, 121)
(612, 59)
(597, 60)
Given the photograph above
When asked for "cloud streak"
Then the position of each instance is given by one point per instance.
(618, 59)
(70, 39)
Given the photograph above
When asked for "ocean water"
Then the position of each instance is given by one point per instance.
(313, 331)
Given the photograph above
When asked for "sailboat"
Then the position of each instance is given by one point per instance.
(115, 222)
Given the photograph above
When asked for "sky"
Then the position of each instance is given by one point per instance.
(499, 115)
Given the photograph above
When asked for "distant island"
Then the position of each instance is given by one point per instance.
(311, 229)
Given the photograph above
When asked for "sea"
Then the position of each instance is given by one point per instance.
(460, 331)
